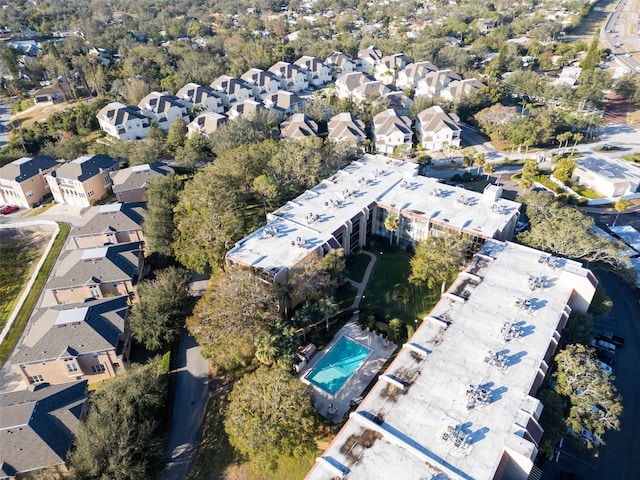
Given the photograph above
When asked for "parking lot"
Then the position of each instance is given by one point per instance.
(619, 457)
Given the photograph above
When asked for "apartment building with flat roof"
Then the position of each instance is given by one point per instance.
(458, 401)
(347, 209)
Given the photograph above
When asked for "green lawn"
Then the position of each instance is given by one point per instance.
(25, 312)
(357, 267)
(17, 263)
(390, 274)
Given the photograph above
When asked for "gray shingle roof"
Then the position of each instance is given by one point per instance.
(74, 329)
(133, 178)
(113, 263)
(27, 167)
(119, 217)
(197, 94)
(160, 102)
(115, 113)
(38, 426)
(86, 167)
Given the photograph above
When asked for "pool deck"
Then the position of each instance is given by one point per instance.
(381, 350)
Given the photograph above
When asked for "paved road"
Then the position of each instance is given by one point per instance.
(619, 457)
(5, 118)
(189, 407)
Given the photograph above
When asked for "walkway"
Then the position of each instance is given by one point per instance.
(365, 279)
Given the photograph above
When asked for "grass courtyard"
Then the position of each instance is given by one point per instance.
(388, 293)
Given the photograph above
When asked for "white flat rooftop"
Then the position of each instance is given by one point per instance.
(399, 429)
(301, 225)
(464, 210)
(309, 221)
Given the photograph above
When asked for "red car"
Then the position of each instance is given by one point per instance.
(8, 209)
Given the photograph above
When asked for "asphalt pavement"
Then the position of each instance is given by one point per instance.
(5, 118)
(620, 456)
(189, 407)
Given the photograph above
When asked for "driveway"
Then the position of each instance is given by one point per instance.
(189, 407)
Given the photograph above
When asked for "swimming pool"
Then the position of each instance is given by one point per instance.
(337, 365)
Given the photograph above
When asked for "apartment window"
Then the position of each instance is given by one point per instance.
(98, 368)
(36, 379)
(91, 193)
(71, 366)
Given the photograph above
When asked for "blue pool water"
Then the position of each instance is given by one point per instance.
(337, 365)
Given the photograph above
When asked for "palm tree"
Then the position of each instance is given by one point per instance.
(392, 223)
(577, 137)
(620, 206)
(562, 138)
(489, 168)
(479, 160)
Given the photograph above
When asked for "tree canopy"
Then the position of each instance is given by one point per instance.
(237, 308)
(157, 319)
(437, 259)
(595, 403)
(270, 412)
(562, 230)
(121, 437)
(162, 197)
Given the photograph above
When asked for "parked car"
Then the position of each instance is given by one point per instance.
(605, 356)
(604, 367)
(603, 344)
(9, 209)
(608, 336)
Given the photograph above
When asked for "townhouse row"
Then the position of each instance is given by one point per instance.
(29, 181)
(278, 91)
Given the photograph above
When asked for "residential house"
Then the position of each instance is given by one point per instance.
(291, 77)
(247, 108)
(436, 129)
(38, 427)
(460, 88)
(317, 72)
(569, 76)
(610, 177)
(130, 184)
(369, 89)
(388, 67)
(164, 108)
(344, 127)
(85, 341)
(123, 122)
(110, 224)
(347, 83)
(340, 64)
(206, 123)
(298, 126)
(202, 97)
(390, 131)
(399, 101)
(368, 59)
(434, 82)
(82, 181)
(51, 94)
(262, 83)
(232, 89)
(283, 103)
(100, 55)
(22, 182)
(80, 275)
(412, 73)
